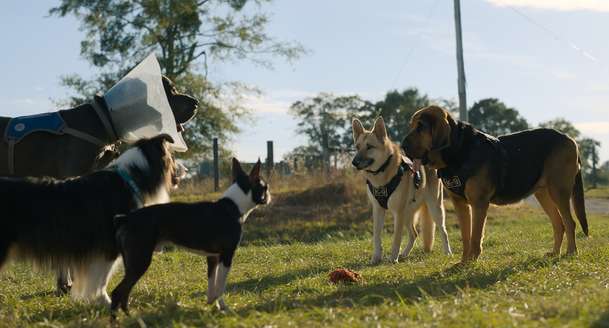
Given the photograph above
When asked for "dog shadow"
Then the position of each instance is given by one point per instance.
(257, 285)
(47, 293)
(450, 281)
(602, 322)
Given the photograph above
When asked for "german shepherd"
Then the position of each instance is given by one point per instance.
(391, 186)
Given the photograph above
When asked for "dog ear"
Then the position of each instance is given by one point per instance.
(167, 83)
(440, 127)
(358, 129)
(379, 129)
(237, 170)
(255, 172)
(166, 137)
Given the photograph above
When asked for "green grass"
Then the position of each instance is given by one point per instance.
(601, 192)
(280, 277)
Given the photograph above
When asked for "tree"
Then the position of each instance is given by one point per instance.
(325, 119)
(563, 126)
(397, 108)
(587, 147)
(604, 173)
(183, 34)
(495, 118)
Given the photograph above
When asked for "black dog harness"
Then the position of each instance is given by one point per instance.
(382, 193)
(469, 151)
(515, 161)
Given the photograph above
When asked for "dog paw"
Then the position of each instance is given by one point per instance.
(221, 306)
(63, 289)
(375, 260)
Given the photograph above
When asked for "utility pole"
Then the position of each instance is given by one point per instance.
(216, 165)
(594, 162)
(460, 64)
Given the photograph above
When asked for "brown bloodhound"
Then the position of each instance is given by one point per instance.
(479, 169)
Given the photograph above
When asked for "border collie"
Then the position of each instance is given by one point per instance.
(212, 229)
(69, 223)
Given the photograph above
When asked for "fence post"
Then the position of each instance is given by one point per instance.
(216, 166)
(269, 158)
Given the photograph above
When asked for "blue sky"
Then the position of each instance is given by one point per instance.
(546, 58)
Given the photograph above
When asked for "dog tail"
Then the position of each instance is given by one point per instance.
(428, 227)
(579, 203)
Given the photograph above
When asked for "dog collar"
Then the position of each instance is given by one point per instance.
(382, 168)
(139, 198)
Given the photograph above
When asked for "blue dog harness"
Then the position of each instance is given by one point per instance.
(137, 193)
(19, 127)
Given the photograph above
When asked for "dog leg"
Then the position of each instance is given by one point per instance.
(212, 274)
(412, 236)
(562, 199)
(136, 259)
(544, 199)
(479, 211)
(378, 213)
(64, 281)
(398, 230)
(3, 254)
(428, 228)
(464, 215)
(438, 215)
(105, 275)
(221, 277)
(98, 273)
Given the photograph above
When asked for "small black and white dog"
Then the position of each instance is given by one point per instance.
(212, 229)
(70, 223)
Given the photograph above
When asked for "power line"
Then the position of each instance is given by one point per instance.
(556, 36)
(411, 49)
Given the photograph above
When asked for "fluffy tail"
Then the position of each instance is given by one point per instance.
(429, 228)
(579, 203)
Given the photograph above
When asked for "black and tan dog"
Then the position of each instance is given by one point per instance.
(66, 155)
(479, 169)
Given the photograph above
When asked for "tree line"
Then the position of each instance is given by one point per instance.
(186, 34)
(325, 120)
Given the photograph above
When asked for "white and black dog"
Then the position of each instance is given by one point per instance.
(212, 229)
(70, 223)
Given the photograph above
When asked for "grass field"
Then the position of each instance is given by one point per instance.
(601, 192)
(280, 276)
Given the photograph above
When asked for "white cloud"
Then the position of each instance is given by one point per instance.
(266, 104)
(561, 5)
(594, 128)
(563, 75)
(279, 101)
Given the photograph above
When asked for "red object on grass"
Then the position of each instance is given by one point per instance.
(344, 275)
